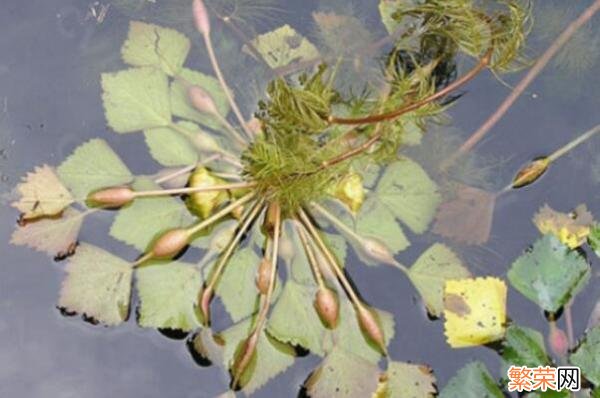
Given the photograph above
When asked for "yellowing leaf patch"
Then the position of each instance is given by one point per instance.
(55, 237)
(350, 191)
(42, 194)
(475, 311)
(571, 229)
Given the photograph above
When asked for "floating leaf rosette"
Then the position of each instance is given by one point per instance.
(292, 186)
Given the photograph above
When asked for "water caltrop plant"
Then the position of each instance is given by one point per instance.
(316, 169)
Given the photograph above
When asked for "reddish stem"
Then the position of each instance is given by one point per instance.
(560, 41)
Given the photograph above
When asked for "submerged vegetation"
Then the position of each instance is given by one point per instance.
(321, 166)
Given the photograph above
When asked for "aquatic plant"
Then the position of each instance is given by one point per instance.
(318, 168)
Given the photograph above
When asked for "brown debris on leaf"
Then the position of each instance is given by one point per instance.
(55, 236)
(571, 228)
(42, 194)
(467, 217)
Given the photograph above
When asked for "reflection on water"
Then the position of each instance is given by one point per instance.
(50, 103)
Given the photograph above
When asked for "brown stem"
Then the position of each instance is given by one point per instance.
(482, 64)
(560, 41)
(394, 114)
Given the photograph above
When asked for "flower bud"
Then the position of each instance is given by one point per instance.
(171, 243)
(377, 251)
(326, 304)
(558, 341)
(268, 226)
(531, 172)
(370, 327)
(201, 19)
(263, 276)
(243, 358)
(111, 197)
(204, 298)
(201, 100)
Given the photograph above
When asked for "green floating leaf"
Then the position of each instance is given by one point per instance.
(181, 106)
(236, 287)
(343, 374)
(41, 194)
(152, 45)
(430, 272)
(407, 380)
(587, 354)
(139, 223)
(136, 99)
(272, 357)
(549, 274)
(169, 147)
(294, 321)
(472, 381)
(168, 296)
(524, 347)
(409, 193)
(55, 237)
(376, 221)
(98, 285)
(283, 46)
(93, 165)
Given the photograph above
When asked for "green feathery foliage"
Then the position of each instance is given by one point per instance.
(285, 159)
(298, 139)
(474, 29)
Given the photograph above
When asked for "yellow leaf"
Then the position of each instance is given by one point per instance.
(571, 229)
(203, 203)
(42, 194)
(475, 311)
(350, 191)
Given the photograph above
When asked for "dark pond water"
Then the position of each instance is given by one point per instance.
(50, 103)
